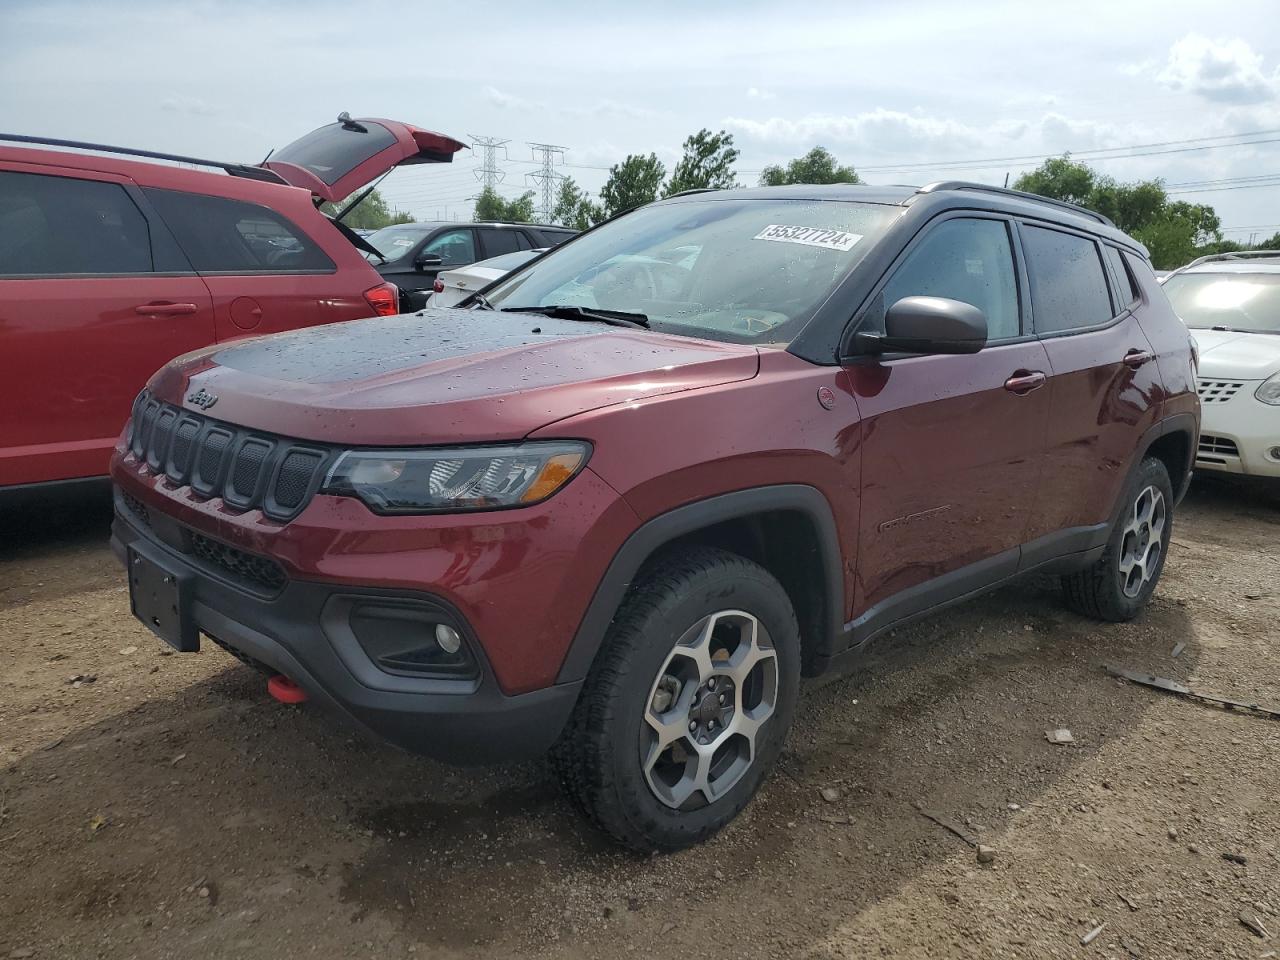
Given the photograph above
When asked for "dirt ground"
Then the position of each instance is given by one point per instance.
(169, 808)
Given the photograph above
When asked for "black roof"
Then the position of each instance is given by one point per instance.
(943, 194)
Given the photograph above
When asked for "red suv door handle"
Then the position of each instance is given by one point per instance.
(1024, 381)
(1136, 358)
(165, 309)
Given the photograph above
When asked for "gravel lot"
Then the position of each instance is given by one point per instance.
(169, 808)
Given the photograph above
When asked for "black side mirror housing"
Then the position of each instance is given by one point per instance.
(427, 261)
(927, 325)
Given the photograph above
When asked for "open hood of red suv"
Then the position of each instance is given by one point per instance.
(336, 160)
(443, 377)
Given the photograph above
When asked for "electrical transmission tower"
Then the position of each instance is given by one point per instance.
(546, 176)
(488, 174)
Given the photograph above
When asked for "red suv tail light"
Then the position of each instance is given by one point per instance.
(384, 298)
(438, 286)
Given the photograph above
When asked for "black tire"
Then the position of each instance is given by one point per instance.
(1099, 591)
(598, 758)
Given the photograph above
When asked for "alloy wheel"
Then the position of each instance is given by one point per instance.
(1142, 541)
(715, 691)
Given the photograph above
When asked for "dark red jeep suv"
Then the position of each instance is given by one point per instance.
(622, 502)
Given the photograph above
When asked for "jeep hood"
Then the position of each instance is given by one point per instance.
(446, 376)
(1228, 355)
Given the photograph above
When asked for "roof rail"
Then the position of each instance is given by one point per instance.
(1020, 194)
(1232, 255)
(235, 169)
(692, 190)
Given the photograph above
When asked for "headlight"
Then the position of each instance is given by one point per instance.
(1269, 392)
(459, 478)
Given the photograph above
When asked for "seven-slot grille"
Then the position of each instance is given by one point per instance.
(247, 469)
(1217, 391)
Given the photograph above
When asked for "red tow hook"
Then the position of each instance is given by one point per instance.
(285, 690)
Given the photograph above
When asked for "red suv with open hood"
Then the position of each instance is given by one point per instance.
(111, 266)
(622, 504)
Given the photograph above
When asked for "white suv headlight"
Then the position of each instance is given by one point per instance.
(1269, 392)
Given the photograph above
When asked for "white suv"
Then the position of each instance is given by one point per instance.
(1231, 302)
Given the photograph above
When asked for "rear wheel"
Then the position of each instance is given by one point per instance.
(1122, 581)
(688, 703)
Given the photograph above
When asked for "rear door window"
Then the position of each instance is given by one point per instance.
(498, 242)
(455, 248)
(1068, 285)
(964, 259)
(63, 226)
(220, 235)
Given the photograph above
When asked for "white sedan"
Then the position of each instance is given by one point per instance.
(1232, 306)
(453, 286)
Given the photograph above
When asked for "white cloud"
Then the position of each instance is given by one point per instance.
(755, 93)
(508, 101)
(878, 130)
(192, 105)
(1226, 71)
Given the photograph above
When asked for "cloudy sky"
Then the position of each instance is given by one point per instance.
(907, 92)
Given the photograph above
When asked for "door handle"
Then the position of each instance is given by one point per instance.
(1024, 381)
(165, 309)
(1136, 358)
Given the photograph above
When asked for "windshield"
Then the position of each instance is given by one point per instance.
(744, 271)
(1237, 301)
(394, 242)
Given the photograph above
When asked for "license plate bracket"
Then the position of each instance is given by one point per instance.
(161, 599)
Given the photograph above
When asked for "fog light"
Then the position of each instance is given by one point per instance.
(449, 639)
(1274, 453)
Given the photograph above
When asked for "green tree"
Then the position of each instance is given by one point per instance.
(632, 183)
(491, 205)
(371, 214)
(1174, 231)
(816, 166)
(574, 208)
(707, 164)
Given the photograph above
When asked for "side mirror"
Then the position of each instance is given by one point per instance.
(427, 261)
(928, 325)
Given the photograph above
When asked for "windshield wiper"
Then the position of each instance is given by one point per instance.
(481, 301)
(616, 318)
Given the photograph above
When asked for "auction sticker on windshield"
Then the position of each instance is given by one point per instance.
(809, 236)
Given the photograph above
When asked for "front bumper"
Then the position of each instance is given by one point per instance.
(1240, 435)
(302, 631)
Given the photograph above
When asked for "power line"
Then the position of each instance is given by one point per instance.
(1093, 156)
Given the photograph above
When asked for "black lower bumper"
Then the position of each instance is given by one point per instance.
(302, 633)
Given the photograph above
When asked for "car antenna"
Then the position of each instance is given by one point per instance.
(268, 156)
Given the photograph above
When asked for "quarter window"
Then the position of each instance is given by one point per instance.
(220, 235)
(1068, 286)
(61, 226)
(455, 248)
(967, 260)
(1124, 283)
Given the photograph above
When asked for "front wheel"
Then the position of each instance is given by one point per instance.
(686, 708)
(1122, 581)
